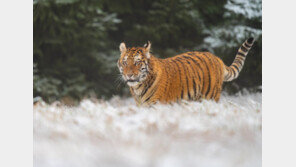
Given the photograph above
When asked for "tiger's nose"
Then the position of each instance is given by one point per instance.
(129, 75)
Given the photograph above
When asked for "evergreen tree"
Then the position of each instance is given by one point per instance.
(76, 41)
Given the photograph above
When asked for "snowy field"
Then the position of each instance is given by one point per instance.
(118, 133)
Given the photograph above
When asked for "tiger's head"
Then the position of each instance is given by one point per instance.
(133, 63)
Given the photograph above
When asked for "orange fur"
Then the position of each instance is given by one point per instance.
(188, 76)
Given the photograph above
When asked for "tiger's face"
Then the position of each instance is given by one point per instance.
(133, 63)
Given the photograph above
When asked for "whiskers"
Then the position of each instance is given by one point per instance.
(118, 81)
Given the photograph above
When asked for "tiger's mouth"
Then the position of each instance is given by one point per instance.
(135, 80)
(132, 80)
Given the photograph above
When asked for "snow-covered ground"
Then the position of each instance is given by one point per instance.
(118, 133)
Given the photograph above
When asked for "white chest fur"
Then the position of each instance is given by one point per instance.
(138, 91)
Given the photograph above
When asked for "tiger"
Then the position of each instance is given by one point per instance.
(190, 76)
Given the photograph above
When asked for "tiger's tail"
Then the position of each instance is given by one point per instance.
(233, 70)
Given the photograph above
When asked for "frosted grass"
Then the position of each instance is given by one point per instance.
(118, 133)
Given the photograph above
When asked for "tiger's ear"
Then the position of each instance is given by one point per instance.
(147, 47)
(122, 47)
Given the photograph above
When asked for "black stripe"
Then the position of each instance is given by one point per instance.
(182, 93)
(171, 64)
(147, 86)
(203, 74)
(234, 65)
(200, 58)
(194, 85)
(241, 54)
(196, 63)
(188, 88)
(210, 81)
(233, 72)
(179, 72)
(240, 58)
(198, 93)
(152, 93)
(211, 60)
(185, 71)
(227, 75)
(145, 90)
(211, 63)
(239, 62)
(244, 49)
(218, 76)
(167, 73)
(193, 81)
(188, 94)
(248, 45)
(214, 91)
(194, 88)
(138, 86)
(230, 73)
(148, 98)
(201, 69)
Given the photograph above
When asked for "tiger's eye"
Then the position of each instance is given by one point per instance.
(137, 62)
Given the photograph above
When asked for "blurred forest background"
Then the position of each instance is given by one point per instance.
(76, 41)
